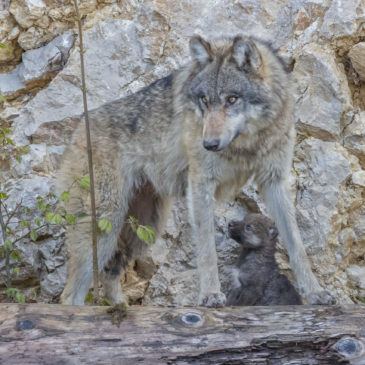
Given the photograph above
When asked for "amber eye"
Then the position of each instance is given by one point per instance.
(204, 99)
(231, 99)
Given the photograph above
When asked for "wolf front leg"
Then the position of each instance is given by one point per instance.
(201, 209)
(277, 199)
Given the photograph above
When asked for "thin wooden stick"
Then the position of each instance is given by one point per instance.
(90, 162)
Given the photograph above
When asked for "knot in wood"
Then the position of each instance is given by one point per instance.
(191, 318)
(348, 347)
(24, 325)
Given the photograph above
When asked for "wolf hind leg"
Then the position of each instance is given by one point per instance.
(79, 266)
(277, 199)
(110, 278)
(149, 209)
(80, 272)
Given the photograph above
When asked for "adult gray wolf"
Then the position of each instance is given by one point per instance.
(256, 277)
(201, 131)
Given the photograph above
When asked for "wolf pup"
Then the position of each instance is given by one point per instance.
(201, 131)
(257, 278)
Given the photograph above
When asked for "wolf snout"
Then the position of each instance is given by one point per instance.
(212, 145)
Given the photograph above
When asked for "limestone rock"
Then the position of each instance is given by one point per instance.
(321, 168)
(27, 12)
(343, 19)
(322, 93)
(131, 43)
(357, 57)
(38, 66)
(354, 136)
(357, 275)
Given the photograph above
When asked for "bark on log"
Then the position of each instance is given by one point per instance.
(307, 335)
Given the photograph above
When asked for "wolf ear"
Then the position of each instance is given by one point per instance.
(200, 50)
(273, 233)
(246, 54)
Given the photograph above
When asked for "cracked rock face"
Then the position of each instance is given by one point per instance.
(128, 45)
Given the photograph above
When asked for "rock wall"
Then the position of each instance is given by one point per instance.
(130, 43)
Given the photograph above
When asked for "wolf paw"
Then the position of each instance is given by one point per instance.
(322, 297)
(215, 300)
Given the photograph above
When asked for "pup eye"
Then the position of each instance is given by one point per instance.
(204, 100)
(248, 227)
(231, 99)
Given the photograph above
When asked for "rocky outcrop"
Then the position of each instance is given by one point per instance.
(128, 45)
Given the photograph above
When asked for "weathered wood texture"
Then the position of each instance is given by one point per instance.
(308, 335)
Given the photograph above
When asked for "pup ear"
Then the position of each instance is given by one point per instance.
(246, 54)
(200, 50)
(273, 233)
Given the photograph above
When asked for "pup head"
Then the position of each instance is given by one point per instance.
(253, 231)
(228, 88)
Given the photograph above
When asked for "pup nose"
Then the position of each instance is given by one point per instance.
(211, 145)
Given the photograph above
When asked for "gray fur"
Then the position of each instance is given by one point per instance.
(257, 276)
(148, 148)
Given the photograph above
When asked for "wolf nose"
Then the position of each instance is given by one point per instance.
(211, 145)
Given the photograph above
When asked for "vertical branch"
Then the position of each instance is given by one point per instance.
(7, 252)
(90, 163)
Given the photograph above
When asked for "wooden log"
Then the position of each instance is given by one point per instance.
(307, 335)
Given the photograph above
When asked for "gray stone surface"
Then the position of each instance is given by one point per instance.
(131, 43)
(322, 92)
(37, 66)
(357, 56)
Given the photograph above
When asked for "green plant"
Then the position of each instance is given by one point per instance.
(19, 223)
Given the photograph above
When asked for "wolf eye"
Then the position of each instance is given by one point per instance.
(231, 99)
(248, 227)
(204, 99)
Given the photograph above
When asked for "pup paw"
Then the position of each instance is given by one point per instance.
(215, 300)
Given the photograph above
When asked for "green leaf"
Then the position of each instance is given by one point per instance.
(50, 217)
(84, 182)
(33, 235)
(65, 196)
(89, 298)
(11, 292)
(23, 149)
(16, 271)
(10, 141)
(18, 158)
(8, 245)
(19, 298)
(2, 45)
(57, 218)
(38, 221)
(3, 196)
(41, 206)
(70, 218)
(16, 256)
(24, 223)
(146, 233)
(2, 99)
(8, 230)
(151, 233)
(105, 225)
(142, 235)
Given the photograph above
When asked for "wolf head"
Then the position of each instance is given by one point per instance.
(254, 231)
(232, 86)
